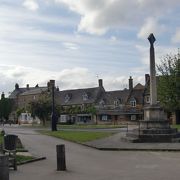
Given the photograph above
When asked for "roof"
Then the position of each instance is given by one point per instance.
(139, 86)
(110, 96)
(137, 94)
(16, 92)
(35, 90)
(25, 91)
(78, 96)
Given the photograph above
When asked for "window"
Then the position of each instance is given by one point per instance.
(67, 98)
(104, 118)
(133, 117)
(117, 102)
(102, 103)
(147, 99)
(85, 96)
(133, 102)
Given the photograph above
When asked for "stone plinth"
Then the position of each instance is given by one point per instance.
(154, 117)
(154, 127)
(154, 113)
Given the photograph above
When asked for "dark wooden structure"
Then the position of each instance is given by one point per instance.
(9, 148)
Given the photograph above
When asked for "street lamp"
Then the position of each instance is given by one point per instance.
(54, 117)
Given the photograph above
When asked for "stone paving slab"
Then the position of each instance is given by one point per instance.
(115, 143)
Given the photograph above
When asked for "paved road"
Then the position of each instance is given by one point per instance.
(85, 163)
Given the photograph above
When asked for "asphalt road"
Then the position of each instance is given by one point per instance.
(84, 163)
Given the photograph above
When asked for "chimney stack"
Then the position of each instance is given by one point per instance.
(51, 84)
(16, 86)
(100, 83)
(27, 86)
(130, 83)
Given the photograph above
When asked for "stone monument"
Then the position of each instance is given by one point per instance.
(155, 127)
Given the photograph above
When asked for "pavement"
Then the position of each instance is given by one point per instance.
(115, 143)
(86, 163)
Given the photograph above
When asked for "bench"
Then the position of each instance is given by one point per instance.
(9, 148)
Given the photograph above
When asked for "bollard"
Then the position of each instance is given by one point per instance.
(61, 161)
(4, 167)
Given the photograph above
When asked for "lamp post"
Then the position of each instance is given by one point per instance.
(53, 115)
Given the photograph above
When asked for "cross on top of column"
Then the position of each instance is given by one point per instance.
(151, 38)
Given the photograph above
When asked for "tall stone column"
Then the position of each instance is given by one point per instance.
(153, 88)
(155, 126)
(153, 112)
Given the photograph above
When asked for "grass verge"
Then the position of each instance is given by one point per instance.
(89, 126)
(77, 136)
(22, 159)
(78, 126)
(176, 126)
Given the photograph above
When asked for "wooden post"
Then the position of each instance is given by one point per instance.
(61, 161)
(4, 167)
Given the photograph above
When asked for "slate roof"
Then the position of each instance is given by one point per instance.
(35, 90)
(110, 96)
(16, 92)
(91, 95)
(25, 91)
(137, 94)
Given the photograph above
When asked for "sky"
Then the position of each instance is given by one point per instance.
(77, 42)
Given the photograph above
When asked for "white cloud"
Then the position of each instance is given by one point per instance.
(31, 5)
(176, 37)
(97, 17)
(82, 78)
(160, 52)
(71, 46)
(151, 26)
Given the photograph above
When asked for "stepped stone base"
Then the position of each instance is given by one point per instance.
(154, 128)
(153, 135)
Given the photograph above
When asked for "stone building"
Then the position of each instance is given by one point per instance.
(88, 105)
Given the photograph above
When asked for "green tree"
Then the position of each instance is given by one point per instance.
(41, 108)
(6, 106)
(168, 88)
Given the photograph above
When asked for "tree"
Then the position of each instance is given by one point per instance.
(41, 108)
(168, 83)
(6, 105)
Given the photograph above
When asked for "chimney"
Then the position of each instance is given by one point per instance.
(51, 84)
(16, 86)
(27, 86)
(100, 83)
(130, 83)
(147, 78)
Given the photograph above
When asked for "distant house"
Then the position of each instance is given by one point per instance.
(123, 105)
(88, 105)
(23, 96)
(79, 105)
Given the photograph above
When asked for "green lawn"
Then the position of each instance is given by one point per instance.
(77, 136)
(78, 126)
(176, 126)
(89, 126)
(21, 159)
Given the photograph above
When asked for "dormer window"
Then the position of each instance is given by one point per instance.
(117, 102)
(102, 103)
(85, 96)
(133, 102)
(67, 98)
